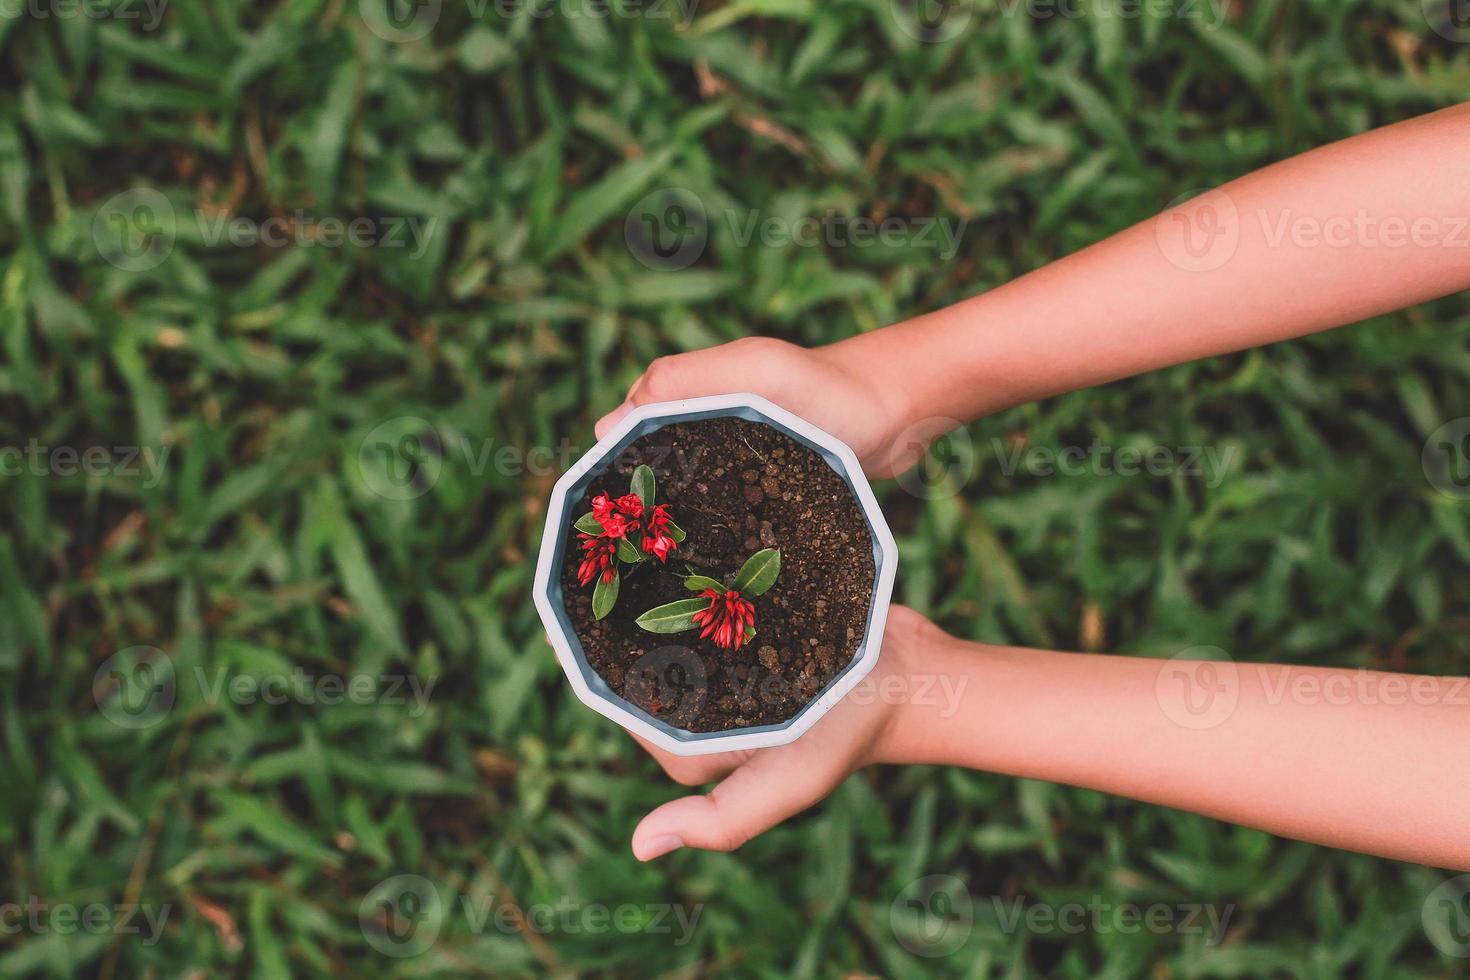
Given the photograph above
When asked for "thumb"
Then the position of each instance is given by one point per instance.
(768, 789)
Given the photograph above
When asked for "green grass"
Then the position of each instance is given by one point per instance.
(516, 146)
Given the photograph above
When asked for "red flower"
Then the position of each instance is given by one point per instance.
(601, 507)
(630, 506)
(656, 539)
(619, 518)
(726, 618)
(600, 554)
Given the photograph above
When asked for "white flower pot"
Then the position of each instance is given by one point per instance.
(557, 540)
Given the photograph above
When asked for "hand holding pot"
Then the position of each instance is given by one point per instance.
(762, 787)
(822, 385)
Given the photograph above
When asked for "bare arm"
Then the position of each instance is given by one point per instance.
(1362, 760)
(1345, 232)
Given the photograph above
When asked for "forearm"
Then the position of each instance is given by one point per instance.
(1336, 235)
(1361, 760)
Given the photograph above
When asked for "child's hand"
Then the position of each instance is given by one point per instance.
(760, 788)
(822, 385)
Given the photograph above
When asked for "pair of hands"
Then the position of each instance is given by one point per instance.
(758, 789)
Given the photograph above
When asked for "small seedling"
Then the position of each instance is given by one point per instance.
(607, 534)
(725, 613)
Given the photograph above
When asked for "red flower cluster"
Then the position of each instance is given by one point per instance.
(726, 618)
(622, 518)
(601, 551)
(656, 540)
(615, 515)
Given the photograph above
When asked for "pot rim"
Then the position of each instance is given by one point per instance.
(547, 590)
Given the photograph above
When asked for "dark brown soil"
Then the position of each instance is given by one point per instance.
(735, 487)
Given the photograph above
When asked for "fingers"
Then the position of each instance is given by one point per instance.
(774, 785)
(693, 770)
(712, 371)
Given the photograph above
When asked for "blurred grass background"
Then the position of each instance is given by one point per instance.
(516, 316)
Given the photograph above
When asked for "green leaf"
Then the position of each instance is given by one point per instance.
(673, 617)
(675, 531)
(758, 573)
(749, 633)
(630, 552)
(588, 524)
(605, 596)
(643, 484)
(698, 583)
